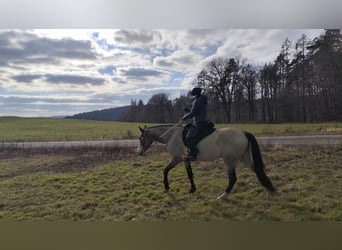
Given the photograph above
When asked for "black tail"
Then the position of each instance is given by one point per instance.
(258, 163)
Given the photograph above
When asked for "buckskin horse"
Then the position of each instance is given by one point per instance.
(231, 144)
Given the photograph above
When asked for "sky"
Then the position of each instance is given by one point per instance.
(57, 72)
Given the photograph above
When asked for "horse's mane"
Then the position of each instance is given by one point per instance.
(160, 126)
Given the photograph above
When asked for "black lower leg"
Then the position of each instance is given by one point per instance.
(166, 181)
(167, 169)
(232, 179)
(190, 176)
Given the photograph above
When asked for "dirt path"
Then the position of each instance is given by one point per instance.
(71, 144)
(301, 140)
(265, 140)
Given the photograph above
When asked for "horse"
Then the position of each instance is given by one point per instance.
(233, 145)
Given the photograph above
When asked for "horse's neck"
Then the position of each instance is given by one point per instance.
(171, 133)
(160, 134)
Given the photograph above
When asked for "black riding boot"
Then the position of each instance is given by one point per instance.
(191, 141)
(192, 156)
(192, 153)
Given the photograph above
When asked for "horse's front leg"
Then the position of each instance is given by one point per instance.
(190, 176)
(173, 162)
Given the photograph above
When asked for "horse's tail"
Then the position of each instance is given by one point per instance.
(258, 164)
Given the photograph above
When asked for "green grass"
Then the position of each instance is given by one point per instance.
(47, 129)
(289, 128)
(117, 186)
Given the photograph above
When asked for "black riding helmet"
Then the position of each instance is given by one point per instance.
(196, 91)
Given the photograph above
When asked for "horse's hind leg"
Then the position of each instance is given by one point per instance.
(232, 180)
(190, 176)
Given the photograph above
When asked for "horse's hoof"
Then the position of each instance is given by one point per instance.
(192, 190)
(223, 196)
(167, 189)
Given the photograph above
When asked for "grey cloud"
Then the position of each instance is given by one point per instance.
(185, 59)
(119, 80)
(65, 48)
(60, 79)
(22, 47)
(21, 100)
(178, 60)
(27, 78)
(27, 106)
(74, 79)
(135, 36)
(109, 97)
(35, 100)
(47, 106)
(7, 36)
(10, 55)
(164, 63)
(140, 73)
(39, 60)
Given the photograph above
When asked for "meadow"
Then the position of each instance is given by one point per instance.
(48, 129)
(111, 184)
(114, 185)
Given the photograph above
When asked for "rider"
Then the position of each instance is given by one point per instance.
(198, 113)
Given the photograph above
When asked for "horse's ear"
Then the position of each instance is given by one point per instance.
(141, 130)
(145, 127)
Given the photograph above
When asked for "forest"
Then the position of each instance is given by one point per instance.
(303, 84)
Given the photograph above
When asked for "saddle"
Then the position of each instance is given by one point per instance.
(207, 130)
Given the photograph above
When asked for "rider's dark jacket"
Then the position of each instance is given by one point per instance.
(198, 111)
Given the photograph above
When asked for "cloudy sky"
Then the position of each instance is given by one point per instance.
(63, 72)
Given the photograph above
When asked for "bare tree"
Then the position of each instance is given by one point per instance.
(220, 76)
(249, 78)
(159, 108)
(269, 79)
(299, 86)
(325, 56)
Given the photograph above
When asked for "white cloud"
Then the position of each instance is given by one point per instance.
(94, 69)
(181, 60)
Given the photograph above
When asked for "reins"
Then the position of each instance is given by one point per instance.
(168, 131)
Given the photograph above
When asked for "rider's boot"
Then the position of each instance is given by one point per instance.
(192, 155)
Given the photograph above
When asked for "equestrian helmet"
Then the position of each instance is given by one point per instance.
(196, 91)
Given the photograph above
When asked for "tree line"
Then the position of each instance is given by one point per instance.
(303, 84)
(111, 114)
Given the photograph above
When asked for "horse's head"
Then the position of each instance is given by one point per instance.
(145, 141)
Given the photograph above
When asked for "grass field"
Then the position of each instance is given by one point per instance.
(120, 186)
(47, 129)
(109, 184)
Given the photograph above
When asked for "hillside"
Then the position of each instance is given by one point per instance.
(111, 114)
